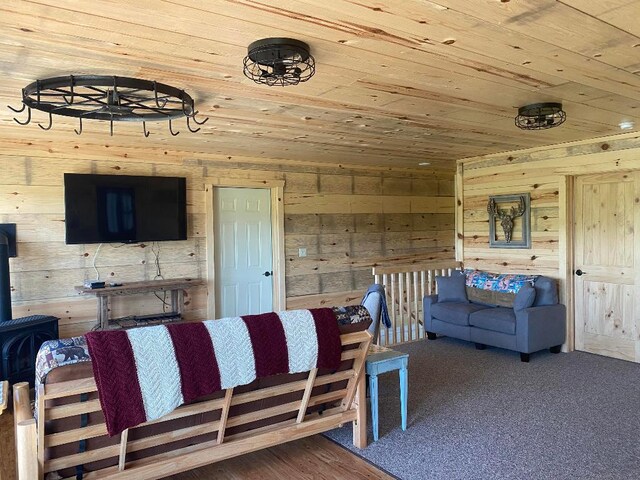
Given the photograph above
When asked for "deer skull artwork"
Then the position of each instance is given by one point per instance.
(506, 217)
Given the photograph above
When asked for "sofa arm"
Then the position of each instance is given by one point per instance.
(427, 301)
(538, 328)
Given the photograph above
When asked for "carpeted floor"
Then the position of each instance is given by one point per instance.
(483, 414)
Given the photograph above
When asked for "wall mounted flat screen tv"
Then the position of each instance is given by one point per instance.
(122, 208)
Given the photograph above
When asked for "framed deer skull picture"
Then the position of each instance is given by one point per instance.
(509, 221)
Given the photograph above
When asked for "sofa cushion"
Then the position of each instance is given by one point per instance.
(500, 319)
(452, 289)
(456, 313)
(546, 292)
(524, 298)
(490, 298)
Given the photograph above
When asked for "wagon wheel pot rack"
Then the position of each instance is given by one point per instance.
(110, 98)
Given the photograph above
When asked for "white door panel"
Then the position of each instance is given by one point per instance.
(229, 305)
(243, 251)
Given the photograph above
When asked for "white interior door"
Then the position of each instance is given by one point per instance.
(243, 251)
(607, 283)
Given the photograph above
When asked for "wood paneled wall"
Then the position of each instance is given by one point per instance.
(46, 270)
(348, 219)
(547, 174)
(352, 221)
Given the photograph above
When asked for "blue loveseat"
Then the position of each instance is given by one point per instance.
(516, 312)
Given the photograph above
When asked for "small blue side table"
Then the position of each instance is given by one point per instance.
(382, 360)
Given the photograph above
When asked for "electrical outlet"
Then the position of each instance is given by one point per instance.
(302, 252)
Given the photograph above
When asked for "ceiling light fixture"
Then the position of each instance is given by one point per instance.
(111, 98)
(540, 116)
(279, 61)
(626, 125)
(424, 164)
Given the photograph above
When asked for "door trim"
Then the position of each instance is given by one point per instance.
(566, 256)
(276, 188)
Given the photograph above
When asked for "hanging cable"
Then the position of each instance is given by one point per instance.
(155, 249)
(95, 257)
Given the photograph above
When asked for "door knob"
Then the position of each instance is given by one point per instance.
(580, 272)
(267, 274)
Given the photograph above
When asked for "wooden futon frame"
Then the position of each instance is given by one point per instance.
(70, 434)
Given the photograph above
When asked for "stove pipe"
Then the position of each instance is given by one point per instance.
(5, 282)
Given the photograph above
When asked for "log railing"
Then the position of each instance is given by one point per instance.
(405, 285)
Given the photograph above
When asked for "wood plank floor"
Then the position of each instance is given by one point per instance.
(312, 458)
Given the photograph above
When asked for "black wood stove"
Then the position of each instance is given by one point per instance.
(20, 338)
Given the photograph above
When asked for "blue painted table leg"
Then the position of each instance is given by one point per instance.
(404, 387)
(373, 393)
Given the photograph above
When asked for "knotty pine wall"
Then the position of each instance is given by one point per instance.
(46, 270)
(349, 222)
(547, 174)
(347, 218)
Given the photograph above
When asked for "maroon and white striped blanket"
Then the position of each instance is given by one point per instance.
(145, 373)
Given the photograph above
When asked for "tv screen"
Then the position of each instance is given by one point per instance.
(122, 208)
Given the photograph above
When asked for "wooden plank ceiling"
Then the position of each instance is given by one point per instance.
(397, 82)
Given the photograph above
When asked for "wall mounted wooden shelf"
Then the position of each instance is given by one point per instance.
(175, 287)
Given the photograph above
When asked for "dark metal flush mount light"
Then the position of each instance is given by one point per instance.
(279, 61)
(540, 116)
(111, 98)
